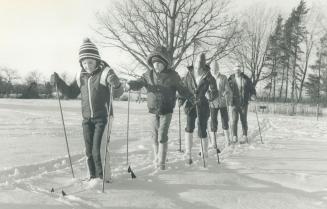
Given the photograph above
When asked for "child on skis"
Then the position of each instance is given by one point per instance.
(161, 83)
(93, 82)
(199, 81)
(243, 91)
(221, 104)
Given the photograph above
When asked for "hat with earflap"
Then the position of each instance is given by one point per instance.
(88, 50)
(160, 54)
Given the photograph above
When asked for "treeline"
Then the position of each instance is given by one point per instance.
(285, 55)
(288, 58)
(33, 86)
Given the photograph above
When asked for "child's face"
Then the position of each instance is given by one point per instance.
(158, 66)
(89, 65)
(237, 70)
(197, 62)
(214, 68)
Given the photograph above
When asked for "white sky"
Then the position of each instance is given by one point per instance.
(45, 35)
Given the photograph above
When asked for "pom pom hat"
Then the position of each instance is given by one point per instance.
(88, 50)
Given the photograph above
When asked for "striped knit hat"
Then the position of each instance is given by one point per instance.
(88, 50)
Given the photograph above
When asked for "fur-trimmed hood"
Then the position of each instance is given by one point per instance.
(160, 52)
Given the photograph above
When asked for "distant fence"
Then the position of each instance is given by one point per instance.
(286, 108)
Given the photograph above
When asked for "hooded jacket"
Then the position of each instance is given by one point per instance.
(161, 90)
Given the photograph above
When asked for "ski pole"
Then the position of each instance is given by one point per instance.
(179, 129)
(197, 113)
(129, 170)
(199, 126)
(256, 113)
(217, 149)
(64, 127)
(127, 131)
(109, 125)
(229, 121)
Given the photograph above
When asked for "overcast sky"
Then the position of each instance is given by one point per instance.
(45, 35)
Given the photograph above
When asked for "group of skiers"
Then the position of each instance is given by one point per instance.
(204, 91)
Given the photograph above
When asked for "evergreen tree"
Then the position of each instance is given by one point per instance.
(274, 55)
(286, 57)
(293, 36)
(298, 32)
(317, 81)
(312, 87)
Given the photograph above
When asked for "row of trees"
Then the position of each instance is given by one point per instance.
(33, 85)
(273, 49)
(289, 53)
(277, 51)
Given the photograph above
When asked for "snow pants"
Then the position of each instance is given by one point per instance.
(93, 129)
(214, 119)
(240, 112)
(203, 120)
(160, 126)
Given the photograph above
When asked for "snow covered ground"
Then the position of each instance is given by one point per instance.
(288, 171)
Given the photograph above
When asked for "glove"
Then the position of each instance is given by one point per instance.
(127, 87)
(194, 101)
(180, 102)
(209, 95)
(54, 78)
(253, 97)
(112, 79)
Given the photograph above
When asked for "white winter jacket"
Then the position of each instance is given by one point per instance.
(224, 92)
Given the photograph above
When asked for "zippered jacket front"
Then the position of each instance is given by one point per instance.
(94, 89)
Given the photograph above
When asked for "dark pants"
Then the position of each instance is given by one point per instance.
(93, 130)
(214, 119)
(203, 120)
(240, 111)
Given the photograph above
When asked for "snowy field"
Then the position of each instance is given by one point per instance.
(288, 171)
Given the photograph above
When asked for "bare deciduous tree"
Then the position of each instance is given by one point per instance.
(312, 22)
(33, 77)
(9, 74)
(257, 25)
(138, 26)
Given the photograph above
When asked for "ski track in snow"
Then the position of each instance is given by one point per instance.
(287, 171)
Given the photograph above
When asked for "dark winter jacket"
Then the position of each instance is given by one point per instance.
(94, 89)
(161, 90)
(206, 84)
(242, 95)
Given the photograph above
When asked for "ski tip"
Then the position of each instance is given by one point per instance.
(133, 176)
(63, 193)
(189, 162)
(108, 180)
